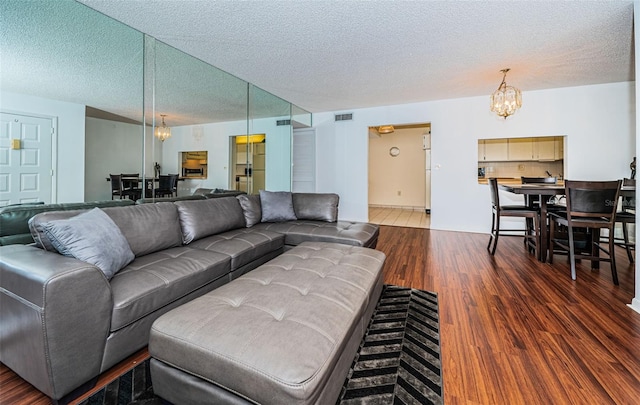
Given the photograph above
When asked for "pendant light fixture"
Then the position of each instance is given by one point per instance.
(163, 132)
(385, 129)
(506, 100)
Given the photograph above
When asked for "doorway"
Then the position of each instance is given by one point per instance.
(400, 175)
(248, 163)
(26, 159)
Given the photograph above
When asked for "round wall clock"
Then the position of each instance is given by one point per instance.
(394, 151)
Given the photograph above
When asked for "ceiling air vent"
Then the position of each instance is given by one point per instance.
(344, 117)
(283, 122)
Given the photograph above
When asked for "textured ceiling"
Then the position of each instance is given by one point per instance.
(336, 55)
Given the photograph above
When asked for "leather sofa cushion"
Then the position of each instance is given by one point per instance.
(200, 219)
(243, 245)
(136, 222)
(277, 206)
(158, 279)
(345, 232)
(316, 206)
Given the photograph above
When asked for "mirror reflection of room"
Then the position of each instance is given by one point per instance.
(193, 164)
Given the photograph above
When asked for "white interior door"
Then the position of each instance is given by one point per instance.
(26, 160)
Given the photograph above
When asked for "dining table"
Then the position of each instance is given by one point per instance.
(148, 183)
(545, 191)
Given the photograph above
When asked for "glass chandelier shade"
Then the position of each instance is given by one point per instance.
(163, 132)
(506, 100)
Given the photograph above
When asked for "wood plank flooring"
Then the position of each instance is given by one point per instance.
(513, 330)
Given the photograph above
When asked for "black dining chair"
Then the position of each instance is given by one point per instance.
(167, 185)
(118, 190)
(625, 215)
(519, 211)
(533, 201)
(591, 207)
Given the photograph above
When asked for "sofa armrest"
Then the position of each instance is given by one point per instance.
(55, 315)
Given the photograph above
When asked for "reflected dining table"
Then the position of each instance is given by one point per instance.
(545, 192)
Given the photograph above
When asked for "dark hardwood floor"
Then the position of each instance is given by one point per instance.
(513, 330)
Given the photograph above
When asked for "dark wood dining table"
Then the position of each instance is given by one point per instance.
(545, 192)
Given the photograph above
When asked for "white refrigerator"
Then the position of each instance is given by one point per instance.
(427, 151)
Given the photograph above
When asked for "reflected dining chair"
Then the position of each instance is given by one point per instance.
(626, 215)
(591, 207)
(519, 211)
(167, 185)
(118, 190)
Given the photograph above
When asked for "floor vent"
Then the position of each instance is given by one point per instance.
(283, 122)
(344, 117)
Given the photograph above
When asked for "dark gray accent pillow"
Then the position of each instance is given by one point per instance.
(92, 237)
(251, 208)
(316, 206)
(199, 219)
(277, 206)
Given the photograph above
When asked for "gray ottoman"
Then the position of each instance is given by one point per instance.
(284, 333)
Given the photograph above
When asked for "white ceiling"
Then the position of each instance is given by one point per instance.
(338, 55)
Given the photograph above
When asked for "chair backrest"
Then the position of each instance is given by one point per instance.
(174, 181)
(116, 182)
(539, 180)
(628, 201)
(130, 180)
(493, 189)
(165, 182)
(592, 198)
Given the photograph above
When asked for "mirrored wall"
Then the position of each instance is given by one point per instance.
(103, 87)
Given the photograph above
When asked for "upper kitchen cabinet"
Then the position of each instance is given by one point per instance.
(493, 150)
(544, 148)
(521, 148)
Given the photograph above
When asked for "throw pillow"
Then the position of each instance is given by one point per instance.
(251, 209)
(277, 206)
(92, 237)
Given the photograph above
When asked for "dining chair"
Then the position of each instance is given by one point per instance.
(518, 211)
(591, 207)
(117, 189)
(533, 201)
(625, 215)
(167, 185)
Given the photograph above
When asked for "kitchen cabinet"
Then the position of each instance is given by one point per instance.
(544, 148)
(496, 150)
(558, 153)
(521, 148)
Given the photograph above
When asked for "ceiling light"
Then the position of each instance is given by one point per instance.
(385, 129)
(506, 100)
(163, 132)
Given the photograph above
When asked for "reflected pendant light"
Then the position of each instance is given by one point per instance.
(163, 132)
(506, 100)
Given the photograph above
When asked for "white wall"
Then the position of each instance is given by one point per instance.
(70, 119)
(598, 120)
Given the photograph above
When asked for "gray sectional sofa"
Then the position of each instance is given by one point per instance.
(63, 321)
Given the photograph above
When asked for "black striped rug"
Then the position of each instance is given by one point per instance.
(398, 361)
(399, 358)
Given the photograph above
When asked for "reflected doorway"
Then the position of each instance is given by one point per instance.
(248, 157)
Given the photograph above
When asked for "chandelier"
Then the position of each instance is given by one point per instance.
(506, 100)
(163, 132)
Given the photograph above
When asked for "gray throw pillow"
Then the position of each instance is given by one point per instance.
(277, 206)
(92, 237)
(251, 209)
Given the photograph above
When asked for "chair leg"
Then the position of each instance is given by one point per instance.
(537, 226)
(496, 235)
(493, 225)
(625, 233)
(550, 243)
(572, 254)
(612, 256)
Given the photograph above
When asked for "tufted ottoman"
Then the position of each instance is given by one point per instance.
(284, 333)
